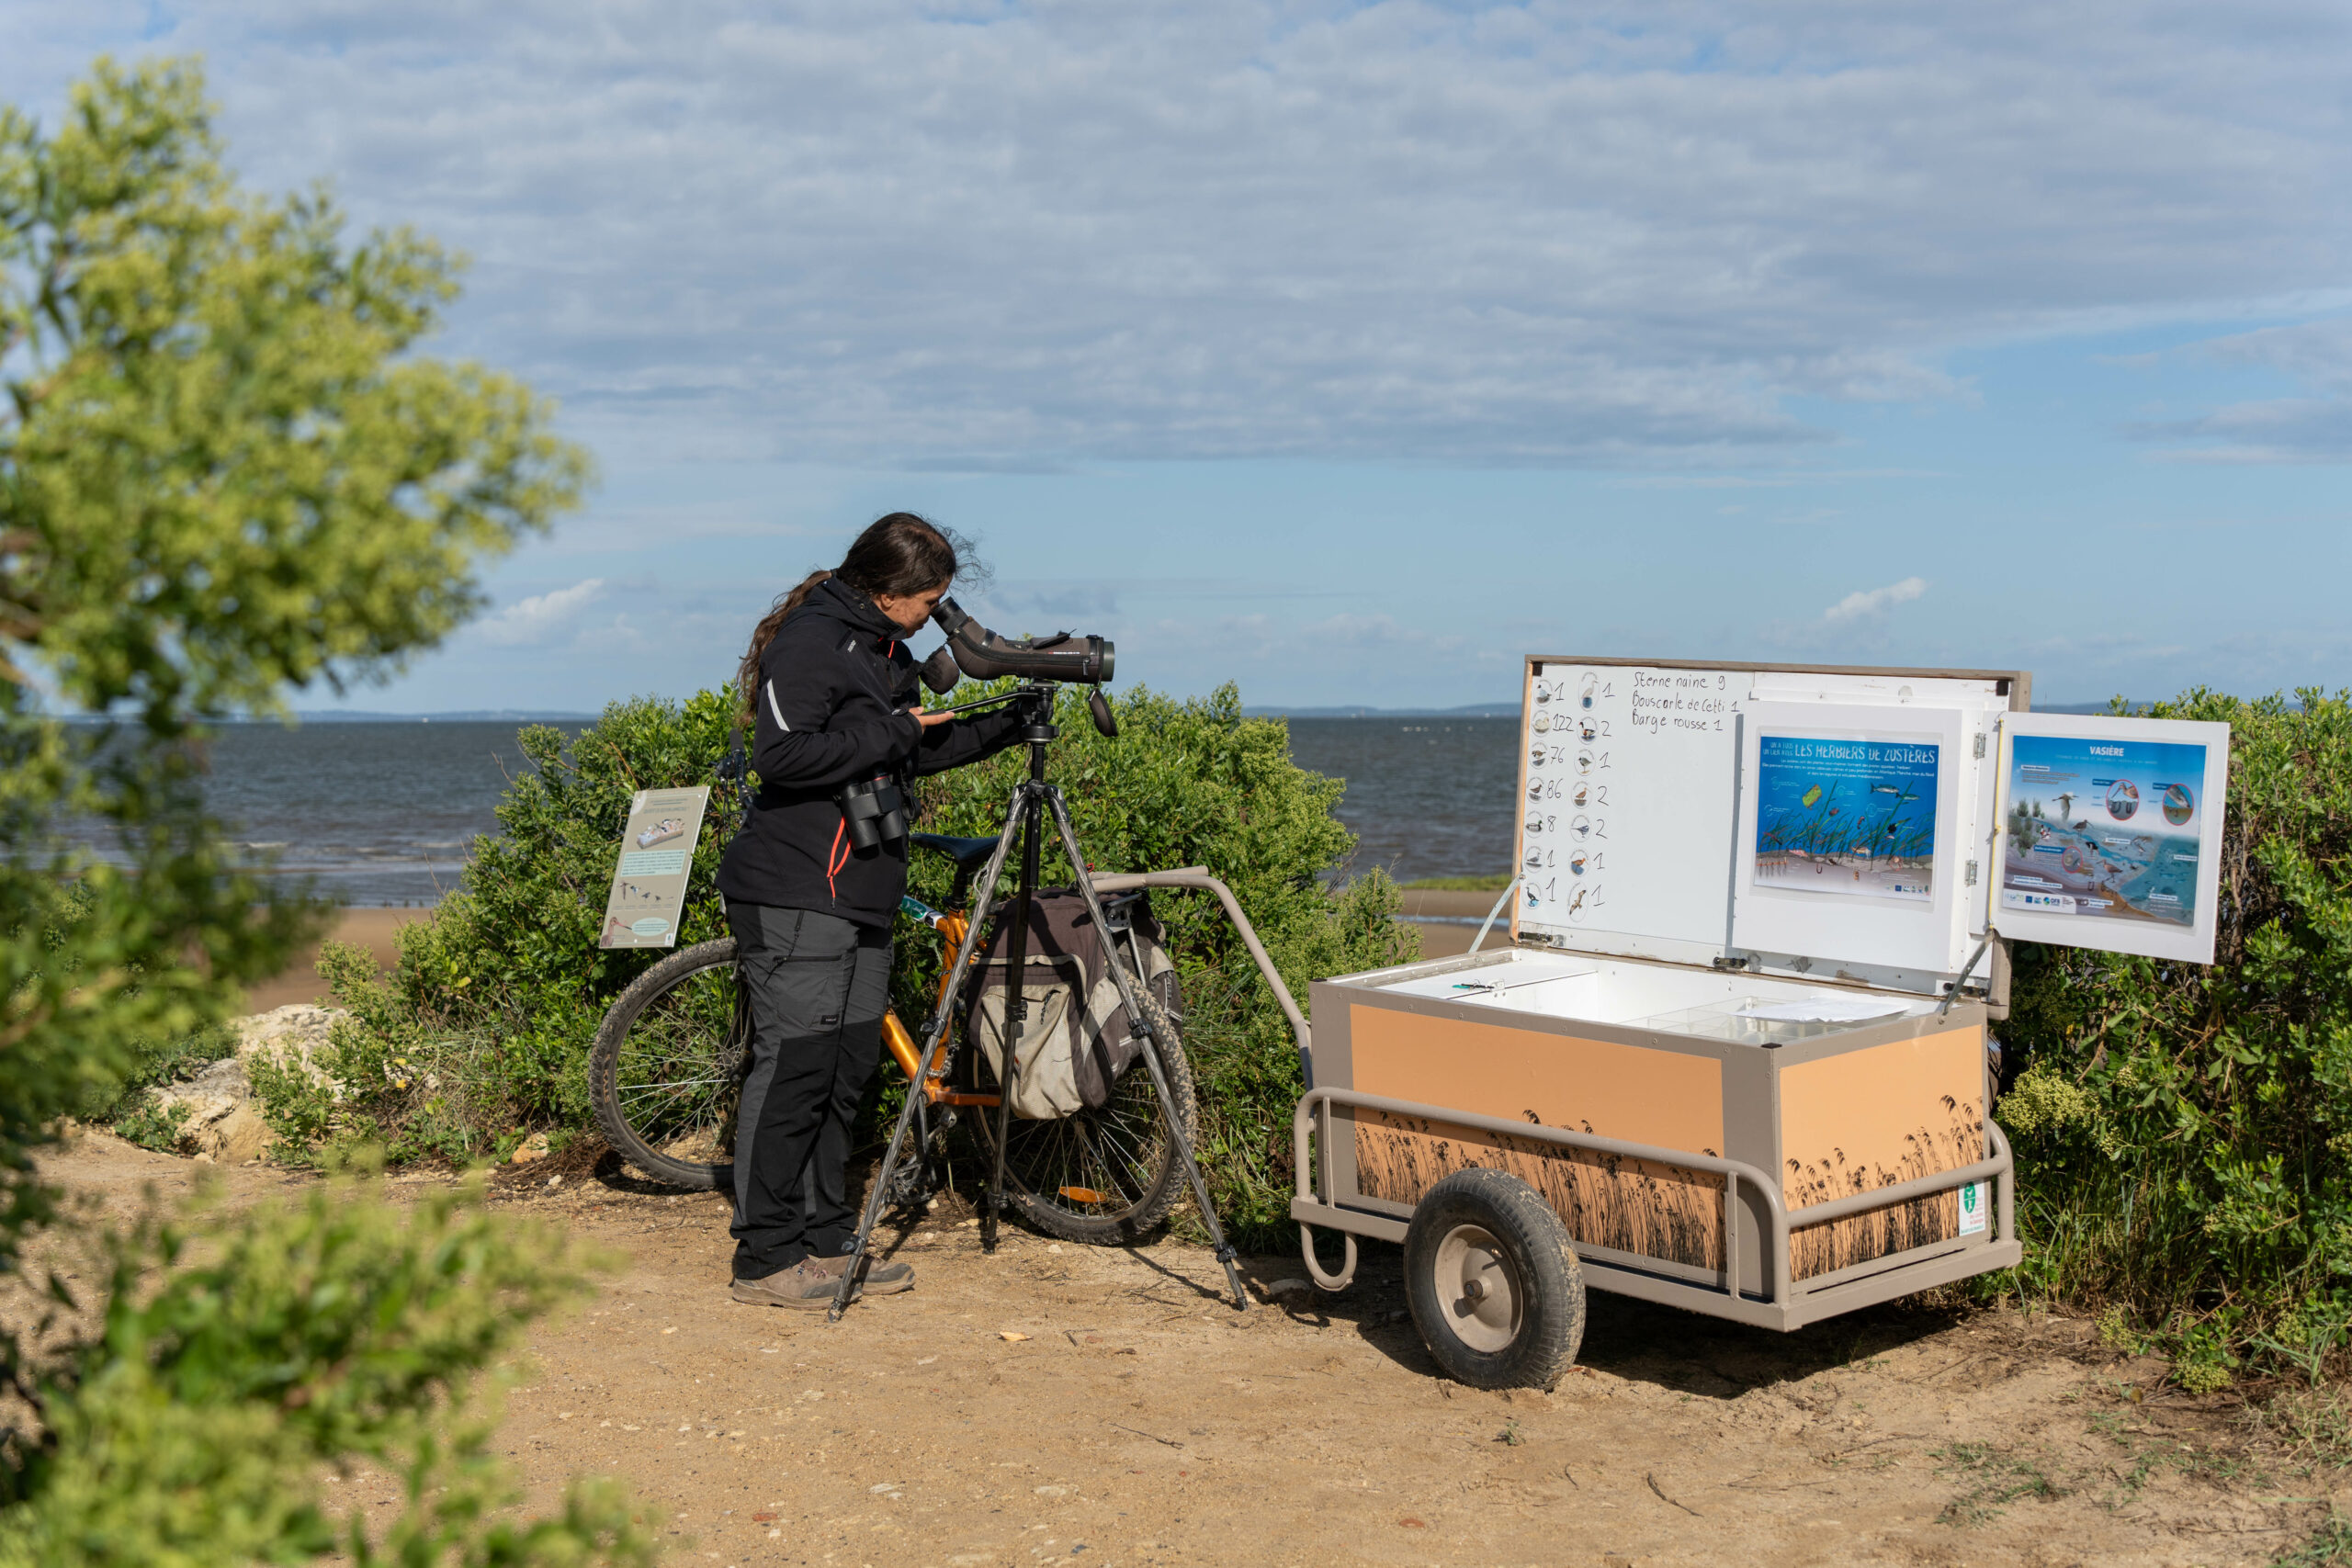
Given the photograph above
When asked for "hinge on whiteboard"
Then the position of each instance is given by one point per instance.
(1972, 874)
(1980, 745)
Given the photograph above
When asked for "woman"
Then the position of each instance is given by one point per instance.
(832, 691)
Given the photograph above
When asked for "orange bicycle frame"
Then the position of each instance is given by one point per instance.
(952, 928)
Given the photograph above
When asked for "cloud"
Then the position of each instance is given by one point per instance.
(2313, 429)
(1869, 604)
(540, 618)
(2319, 353)
(1067, 605)
(972, 234)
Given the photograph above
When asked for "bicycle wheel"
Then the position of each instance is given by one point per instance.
(668, 1065)
(1106, 1177)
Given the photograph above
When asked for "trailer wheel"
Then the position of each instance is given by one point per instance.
(1491, 1275)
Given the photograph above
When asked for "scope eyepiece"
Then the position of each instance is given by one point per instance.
(938, 672)
(984, 656)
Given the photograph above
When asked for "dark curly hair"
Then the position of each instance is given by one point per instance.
(895, 557)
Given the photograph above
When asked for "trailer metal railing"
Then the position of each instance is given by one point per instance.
(1314, 1113)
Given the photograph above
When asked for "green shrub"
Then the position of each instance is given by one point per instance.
(153, 1125)
(130, 1105)
(2184, 1134)
(181, 1442)
(483, 1027)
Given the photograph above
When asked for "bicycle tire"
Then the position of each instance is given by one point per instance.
(1052, 1168)
(668, 1065)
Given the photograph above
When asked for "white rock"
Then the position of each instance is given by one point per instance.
(292, 1035)
(224, 1122)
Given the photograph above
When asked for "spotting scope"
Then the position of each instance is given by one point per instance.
(984, 656)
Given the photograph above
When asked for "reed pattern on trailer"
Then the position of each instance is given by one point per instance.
(1630, 1205)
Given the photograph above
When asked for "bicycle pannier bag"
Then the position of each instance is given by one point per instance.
(1077, 1041)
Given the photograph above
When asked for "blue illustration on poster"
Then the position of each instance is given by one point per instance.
(1847, 818)
(2103, 828)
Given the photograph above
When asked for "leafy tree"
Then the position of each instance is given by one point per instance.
(224, 474)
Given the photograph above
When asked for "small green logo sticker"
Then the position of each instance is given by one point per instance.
(1972, 1208)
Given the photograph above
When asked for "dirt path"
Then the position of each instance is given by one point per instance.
(1059, 1404)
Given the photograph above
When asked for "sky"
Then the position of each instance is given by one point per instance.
(1352, 352)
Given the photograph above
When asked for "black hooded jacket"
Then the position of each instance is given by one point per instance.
(831, 706)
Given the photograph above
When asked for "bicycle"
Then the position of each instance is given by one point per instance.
(669, 1057)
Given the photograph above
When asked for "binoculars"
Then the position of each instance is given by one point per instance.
(874, 811)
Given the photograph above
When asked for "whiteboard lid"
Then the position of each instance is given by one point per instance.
(1632, 812)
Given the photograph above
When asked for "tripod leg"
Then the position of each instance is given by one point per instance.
(1225, 1252)
(923, 1138)
(1031, 820)
(855, 1271)
(933, 1035)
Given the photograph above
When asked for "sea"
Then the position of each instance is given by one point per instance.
(386, 813)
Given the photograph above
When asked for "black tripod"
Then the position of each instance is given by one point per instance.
(1033, 798)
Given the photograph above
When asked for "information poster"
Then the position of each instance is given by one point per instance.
(656, 858)
(2111, 832)
(2106, 829)
(1849, 847)
(1846, 817)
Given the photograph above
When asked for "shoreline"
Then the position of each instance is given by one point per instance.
(1446, 919)
(375, 927)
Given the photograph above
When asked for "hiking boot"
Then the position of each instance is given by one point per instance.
(882, 1279)
(803, 1286)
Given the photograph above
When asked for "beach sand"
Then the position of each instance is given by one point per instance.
(1437, 913)
(299, 982)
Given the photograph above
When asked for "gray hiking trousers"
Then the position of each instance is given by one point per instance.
(818, 985)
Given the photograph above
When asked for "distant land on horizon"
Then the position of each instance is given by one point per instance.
(1266, 710)
(1263, 710)
(1510, 710)
(1475, 710)
(460, 715)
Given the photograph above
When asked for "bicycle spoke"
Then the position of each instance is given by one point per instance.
(1099, 1165)
(672, 1075)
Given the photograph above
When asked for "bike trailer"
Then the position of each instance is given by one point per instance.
(1733, 1057)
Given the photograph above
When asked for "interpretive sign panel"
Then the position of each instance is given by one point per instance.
(1850, 828)
(1846, 818)
(656, 858)
(2110, 832)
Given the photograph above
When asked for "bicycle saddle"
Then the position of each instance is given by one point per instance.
(970, 854)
